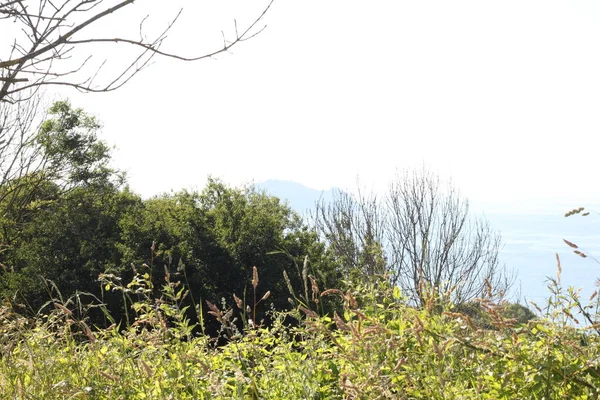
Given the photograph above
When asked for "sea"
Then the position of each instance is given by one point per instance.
(532, 240)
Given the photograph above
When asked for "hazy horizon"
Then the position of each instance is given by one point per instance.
(530, 242)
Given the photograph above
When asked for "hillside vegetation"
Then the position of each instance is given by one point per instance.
(227, 293)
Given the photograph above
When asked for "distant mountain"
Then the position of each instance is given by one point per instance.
(300, 198)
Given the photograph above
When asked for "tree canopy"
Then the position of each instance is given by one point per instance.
(73, 220)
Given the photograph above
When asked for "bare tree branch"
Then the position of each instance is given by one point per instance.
(51, 31)
(423, 237)
(8, 4)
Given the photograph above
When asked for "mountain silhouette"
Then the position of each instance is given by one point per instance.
(300, 198)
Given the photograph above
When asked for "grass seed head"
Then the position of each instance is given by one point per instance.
(254, 277)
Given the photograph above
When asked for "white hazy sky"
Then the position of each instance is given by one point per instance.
(503, 97)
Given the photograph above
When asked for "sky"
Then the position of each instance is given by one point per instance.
(500, 97)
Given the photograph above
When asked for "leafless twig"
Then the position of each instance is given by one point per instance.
(55, 30)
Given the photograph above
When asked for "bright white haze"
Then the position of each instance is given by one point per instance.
(502, 97)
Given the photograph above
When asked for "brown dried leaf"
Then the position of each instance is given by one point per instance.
(314, 289)
(574, 211)
(147, 368)
(488, 287)
(63, 308)
(359, 314)
(109, 376)
(339, 322)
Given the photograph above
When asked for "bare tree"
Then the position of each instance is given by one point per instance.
(354, 228)
(19, 157)
(434, 242)
(48, 34)
(423, 235)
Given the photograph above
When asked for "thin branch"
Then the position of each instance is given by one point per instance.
(44, 50)
(226, 44)
(14, 80)
(62, 39)
(9, 3)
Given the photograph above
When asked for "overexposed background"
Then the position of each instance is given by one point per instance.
(501, 97)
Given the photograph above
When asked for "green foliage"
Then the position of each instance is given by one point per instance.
(58, 221)
(378, 347)
(64, 154)
(70, 146)
(69, 220)
(209, 241)
(212, 240)
(71, 240)
(519, 312)
(479, 313)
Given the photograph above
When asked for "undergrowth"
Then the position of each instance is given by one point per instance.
(377, 346)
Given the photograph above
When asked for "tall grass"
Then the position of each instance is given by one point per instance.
(376, 347)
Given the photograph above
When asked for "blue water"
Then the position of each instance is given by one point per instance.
(531, 242)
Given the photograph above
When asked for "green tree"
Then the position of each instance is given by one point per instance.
(213, 239)
(60, 222)
(171, 231)
(71, 221)
(64, 154)
(70, 241)
(72, 154)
